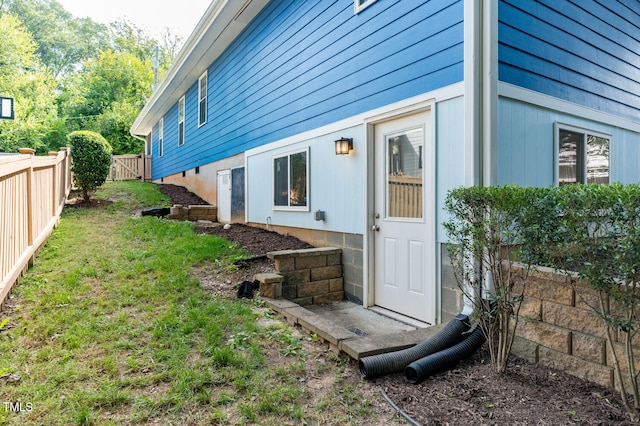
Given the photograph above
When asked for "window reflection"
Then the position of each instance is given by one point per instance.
(583, 158)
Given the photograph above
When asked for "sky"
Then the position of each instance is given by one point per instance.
(152, 15)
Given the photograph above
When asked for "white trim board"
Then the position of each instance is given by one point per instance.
(535, 98)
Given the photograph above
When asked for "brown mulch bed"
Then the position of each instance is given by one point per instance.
(180, 195)
(471, 393)
(256, 240)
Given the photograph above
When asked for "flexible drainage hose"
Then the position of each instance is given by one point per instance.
(393, 362)
(419, 370)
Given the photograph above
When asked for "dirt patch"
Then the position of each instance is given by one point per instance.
(75, 199)
(470, 394)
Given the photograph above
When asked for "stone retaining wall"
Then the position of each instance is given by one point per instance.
(310, 276)
(558, 329)
(352, 254)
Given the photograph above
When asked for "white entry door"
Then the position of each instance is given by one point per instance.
(404, 224)
(224, 196)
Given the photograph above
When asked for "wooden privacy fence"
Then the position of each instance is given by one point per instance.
(131, 167)
(33, 190)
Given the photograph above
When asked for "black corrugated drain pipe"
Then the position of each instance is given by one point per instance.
(419, 370)
(394, 362)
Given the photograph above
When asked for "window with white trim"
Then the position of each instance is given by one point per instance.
(291, 181)
(360, 5)
(181, 121)
(202, 99)
(583, 156)
(161, 137)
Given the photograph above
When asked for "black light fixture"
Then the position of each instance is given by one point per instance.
(343, 146)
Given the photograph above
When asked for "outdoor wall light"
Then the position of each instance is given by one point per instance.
(343, 146)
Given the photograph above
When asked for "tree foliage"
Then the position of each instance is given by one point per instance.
(23, 78)
(62, 41)
(91, 156)
(68, 74)
(108, 96)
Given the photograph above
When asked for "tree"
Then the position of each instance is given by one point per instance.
(74, 74)
(91, 156)
(108, 96)
(23, 77)
(63, 42)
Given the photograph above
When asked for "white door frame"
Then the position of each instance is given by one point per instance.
(369, 171)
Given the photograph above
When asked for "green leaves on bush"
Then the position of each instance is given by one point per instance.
(588, 231)
(485, 240)
(91, 156)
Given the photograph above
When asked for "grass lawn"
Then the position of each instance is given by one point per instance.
(111, 327)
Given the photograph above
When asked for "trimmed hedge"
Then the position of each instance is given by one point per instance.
(592, 231)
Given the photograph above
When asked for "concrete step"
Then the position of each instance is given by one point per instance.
(350, 328)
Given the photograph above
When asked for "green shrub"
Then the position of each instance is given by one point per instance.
(485, 240)
(593, 231)
(91, 156)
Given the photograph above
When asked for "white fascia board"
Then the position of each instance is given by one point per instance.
(507, 90)
(223, 21)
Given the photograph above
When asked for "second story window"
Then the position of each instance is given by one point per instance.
(202, 99)
(160, 137)
(181, 121)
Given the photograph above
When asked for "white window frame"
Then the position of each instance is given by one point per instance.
(581, 162)
(360, 5)
(203, 98)
(289, 207)
(161, 137)
(181, 126)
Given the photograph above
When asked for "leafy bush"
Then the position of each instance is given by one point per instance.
(484, 243)
(593, 231)
(91, 156)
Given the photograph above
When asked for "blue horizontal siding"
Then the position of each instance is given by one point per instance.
(302, 65)
(585, 52)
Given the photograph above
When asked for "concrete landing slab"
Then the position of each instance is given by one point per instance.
(359, 320)
(350, 328)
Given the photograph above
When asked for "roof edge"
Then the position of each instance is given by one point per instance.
(221, 23)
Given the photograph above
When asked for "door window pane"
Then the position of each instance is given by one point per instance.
(404, 174)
